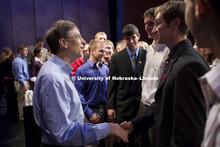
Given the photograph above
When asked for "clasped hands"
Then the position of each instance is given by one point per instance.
(121, 131)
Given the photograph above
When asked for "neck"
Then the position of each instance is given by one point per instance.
(93, 59)
(67, 58)
(106, 60)
(175, 40)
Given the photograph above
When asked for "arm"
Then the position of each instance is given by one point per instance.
(143, 121)
(33, 68)
(81, 89)
(65, 124)
(112, 90)
(17, 71)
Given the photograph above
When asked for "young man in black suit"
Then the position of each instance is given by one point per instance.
(124, 86)
(178, 113)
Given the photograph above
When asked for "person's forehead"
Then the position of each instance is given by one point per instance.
(74, 31)
(149, 18)
(158, 16)
(102, 35)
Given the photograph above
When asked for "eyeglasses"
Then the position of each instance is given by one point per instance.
(76, 37)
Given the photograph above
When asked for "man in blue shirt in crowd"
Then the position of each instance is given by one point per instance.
(56, 105)
(91, 85)
(21, 75)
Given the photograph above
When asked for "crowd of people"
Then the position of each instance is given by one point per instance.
(134, 94)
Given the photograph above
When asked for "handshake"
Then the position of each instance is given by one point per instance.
(122, 131)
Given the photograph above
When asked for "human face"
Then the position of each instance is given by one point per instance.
(75, 43)
(108, 50)
(132, 41)
(119, 48)
(24, 52)
(162, 28)
(197, 28)
(39, 55)
(39, 44)
(149, 25)
(99, 52)
(102, 37)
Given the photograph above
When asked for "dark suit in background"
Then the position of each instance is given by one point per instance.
(124, 95)
(178, 113)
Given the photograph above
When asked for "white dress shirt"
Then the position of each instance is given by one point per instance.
(155, 58)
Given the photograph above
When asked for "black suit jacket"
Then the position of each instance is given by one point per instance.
(178, 113)
(124, 95)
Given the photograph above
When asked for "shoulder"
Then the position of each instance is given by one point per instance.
(83, 68)
(119, 55)
(191, 60)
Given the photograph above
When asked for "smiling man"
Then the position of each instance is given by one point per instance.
(56, 105)
(178, 113)
(124, 95)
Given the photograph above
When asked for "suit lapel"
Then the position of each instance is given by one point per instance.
(172, 61)
(140, 60)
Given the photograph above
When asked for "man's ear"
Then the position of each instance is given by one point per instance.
(139, 36)
(200, 9)
(63, 43)
(175, 23)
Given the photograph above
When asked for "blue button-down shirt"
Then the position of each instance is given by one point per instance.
(91, 84)
(130, 52)
(20, 69)
(57, 108)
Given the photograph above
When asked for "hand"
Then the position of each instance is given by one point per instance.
(111, 114)
(116, 130)
(95, 118)
(127, 126)
(25, 88)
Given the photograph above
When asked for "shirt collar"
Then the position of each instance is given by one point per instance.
(130, 51)
(39, 60)
(158, 47)
(92, 64)
(62, 64)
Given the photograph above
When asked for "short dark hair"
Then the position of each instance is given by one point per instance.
(58, 30)
(36, 51)
(130, 30)
(39, 40)
(171, 10)
(20, 47)
(149, 12)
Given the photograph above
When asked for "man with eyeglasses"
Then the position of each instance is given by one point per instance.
(124, 86)
(155, 59)
(56, 105)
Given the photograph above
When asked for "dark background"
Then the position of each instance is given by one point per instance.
(22, 21)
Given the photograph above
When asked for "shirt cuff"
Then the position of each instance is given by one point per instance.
(23, 82)
(104, 130)
(89, 112)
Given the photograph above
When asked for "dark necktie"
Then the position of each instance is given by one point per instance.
(165, 63)
(133, 60)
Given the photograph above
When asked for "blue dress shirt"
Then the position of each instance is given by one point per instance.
(91, 85)
(57, 108)
(130, 52)
(20, 69)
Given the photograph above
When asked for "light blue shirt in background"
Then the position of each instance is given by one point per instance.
(20, 69)
(57, 108)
